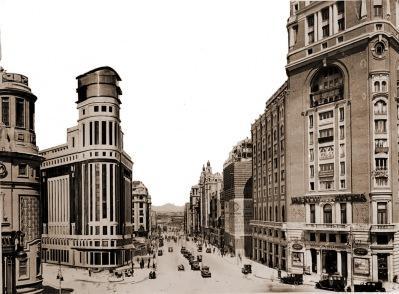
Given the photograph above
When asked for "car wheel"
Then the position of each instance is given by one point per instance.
(317, 285)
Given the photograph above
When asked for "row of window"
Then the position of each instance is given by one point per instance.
(75, 157)
(260, 214)
(98, 108)
(101, 132)
(327, 184)
(20, 108)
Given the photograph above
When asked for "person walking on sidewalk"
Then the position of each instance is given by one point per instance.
(148, 263)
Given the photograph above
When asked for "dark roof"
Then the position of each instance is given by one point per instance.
(99, 69)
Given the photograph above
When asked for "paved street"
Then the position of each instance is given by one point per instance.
(226, 277)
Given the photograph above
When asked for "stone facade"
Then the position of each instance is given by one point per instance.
(237, 198)
(87, 182)
(19, 185)
(141, 209)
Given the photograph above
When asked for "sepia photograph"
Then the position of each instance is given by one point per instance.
(187, 146)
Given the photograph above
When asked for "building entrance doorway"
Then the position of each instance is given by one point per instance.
(313, 254)
(330, 261)
(382, 260)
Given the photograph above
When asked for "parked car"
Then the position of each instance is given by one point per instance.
(293, 279)
(183, 249)
(199, 248)
(180, 267)
(205, 273)
(331, 282)
(195, 266)
(152, 275)
(160, 252)
(199, 258)
(370, 287)
(247, 269)
(191, 260)
(170, 249)
(208, 250)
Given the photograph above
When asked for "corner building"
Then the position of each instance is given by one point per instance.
(87, 182)
(342, 139)
(19, 186)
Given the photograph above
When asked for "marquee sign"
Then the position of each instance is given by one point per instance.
(333, 198)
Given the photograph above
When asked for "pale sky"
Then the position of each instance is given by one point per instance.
(195, 74)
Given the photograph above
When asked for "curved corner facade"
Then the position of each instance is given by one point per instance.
(87, 182)
(20, 186)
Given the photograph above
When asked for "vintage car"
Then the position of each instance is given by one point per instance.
(152, 275)
(293, 279)
(191, 259)
(183, 249)
(199, 248)
(247, 269)
(208, 250)
(195, 266)
(332, 283)
(370, 287)
(160, 252)
(170, 249)
(205, 273)
(199, 258)
(180, 267)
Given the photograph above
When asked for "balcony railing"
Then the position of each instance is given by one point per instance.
(380, 172)
(265, 223)
(326, 173)
(383, 228)
(381, 149)
(323, 227)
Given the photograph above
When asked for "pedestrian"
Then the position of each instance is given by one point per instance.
(153, 265)
(148, 264)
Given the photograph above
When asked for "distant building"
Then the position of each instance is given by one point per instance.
(210, 186)
(237, 197)
(153, 221)
(141, 209)
(19, 187)
(86, 183)
(187, 219)
(195, 210)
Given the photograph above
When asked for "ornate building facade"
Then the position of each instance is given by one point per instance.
(210, 186)
(19, 187)
(237, 199)
(341, 117)
(195, 210)
(87, 182)
(141, 209)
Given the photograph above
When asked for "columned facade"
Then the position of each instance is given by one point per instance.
(87, 182)
(19, 186)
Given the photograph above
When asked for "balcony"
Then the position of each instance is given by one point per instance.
(383, 228)
(266, 223)
(380, 172)
(326, 173)
(381, 149)
(328, 227)
(326, 139)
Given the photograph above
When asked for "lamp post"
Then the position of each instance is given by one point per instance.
(60, 278)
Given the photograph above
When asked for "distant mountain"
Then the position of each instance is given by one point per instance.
(168, 207)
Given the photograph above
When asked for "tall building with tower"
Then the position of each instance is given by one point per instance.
(141, 209)
(19, 187)
(87, 182)
(341, 120)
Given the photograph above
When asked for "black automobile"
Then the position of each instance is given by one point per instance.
(292, 279)
(195, 266)
(247, 269)
(332, 283)
(191, 260)
(208, 250)
(370, 287)
(170, 249)
(183, 249)
(205, 273)
(160, 252)
(152, 275)
(199, 258)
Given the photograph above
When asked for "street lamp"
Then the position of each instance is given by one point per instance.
(60, 277)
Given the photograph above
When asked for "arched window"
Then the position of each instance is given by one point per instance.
(326, 86)
(380, 107)
(327, 214)
(384, 86)
(376, 86)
